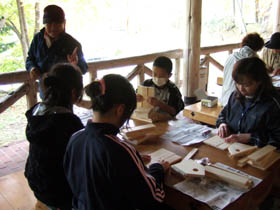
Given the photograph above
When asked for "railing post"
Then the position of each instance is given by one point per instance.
(177, 71)
(141, 75)
(207, 74)
(93, 75)
(31, 96)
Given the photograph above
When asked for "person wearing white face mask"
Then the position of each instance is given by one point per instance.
(168, 99)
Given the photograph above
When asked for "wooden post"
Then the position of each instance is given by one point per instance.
(141, 75)
(276, 26)
(93, 74)
(192, 50)
(177, 71)
(31, 95)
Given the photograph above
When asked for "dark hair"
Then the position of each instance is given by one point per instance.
(164, 63)
(254, 41)
(111, 90)
(59, 83)
(254, 69)
(53, 13)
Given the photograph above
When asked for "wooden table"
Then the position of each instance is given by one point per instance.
(203, 113)
(180, 201)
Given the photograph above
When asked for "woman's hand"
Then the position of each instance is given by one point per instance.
(223, 130)
(241, 138)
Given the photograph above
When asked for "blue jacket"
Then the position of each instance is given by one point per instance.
(107, 173)
(43, 58)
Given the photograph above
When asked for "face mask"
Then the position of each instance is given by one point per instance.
(159, 81)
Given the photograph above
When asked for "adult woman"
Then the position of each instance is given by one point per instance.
(252, 114)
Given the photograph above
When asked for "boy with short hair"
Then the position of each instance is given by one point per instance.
(168, 99)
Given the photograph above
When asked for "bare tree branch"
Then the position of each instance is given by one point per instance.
(9, 23)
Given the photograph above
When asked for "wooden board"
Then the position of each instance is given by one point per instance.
(231, 178)
(261, 153)
(146, 92)
(267, 161)
(217, 142)
(163, 154)
(238, 149)
(188, 167)
(138, 131)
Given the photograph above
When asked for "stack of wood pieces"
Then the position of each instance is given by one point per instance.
(144, 107)
(138, 134)
(237, 150)
(217, 142)
(163, 154)
(228, 176)
(262, 158)
(188, 167)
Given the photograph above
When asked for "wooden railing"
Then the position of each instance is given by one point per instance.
(29, 88)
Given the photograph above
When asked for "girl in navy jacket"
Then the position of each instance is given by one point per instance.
(50, 125)
(103, 171)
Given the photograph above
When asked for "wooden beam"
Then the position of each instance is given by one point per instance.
(177, 71)
(9, 100)
(220, 48)
(14, 77)
(135, 60)
(31, 95)
(134, 72)
(192, 49)
(216, 63)
(148, 71)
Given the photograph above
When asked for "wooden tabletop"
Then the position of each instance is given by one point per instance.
(202, 113)
(180, 201)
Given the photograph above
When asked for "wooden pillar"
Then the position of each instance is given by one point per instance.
(31, 95)
(177, 71)
(93, 75)
(192, 50)
(141, 75)
(276, 27)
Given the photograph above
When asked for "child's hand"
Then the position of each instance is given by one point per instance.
(165, 164)
(139, 98)
(153, 101)
(34, 74)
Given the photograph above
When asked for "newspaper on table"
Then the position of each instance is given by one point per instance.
(213, 192)
(187, 133)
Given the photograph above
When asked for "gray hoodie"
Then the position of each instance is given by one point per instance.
(228, 83)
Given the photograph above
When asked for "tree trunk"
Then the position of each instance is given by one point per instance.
(37, 17)
(23, 27)
(276, 27)
(257, 7)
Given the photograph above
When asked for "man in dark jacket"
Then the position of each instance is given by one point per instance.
(53, 45)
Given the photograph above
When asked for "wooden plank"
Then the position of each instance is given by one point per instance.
(138, 131)
(163, 154)
(188, 167)
(259, 154)
(4, 204)
(217, 142)
(14, 77)
(238, 149)
(191, 153)
(231, 178)
(16, 191)
(267, 161)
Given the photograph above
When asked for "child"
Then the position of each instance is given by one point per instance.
(50, 126)
(168, 99)
(103, 171)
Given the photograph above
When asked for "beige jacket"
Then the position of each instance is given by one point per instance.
(271, 59)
